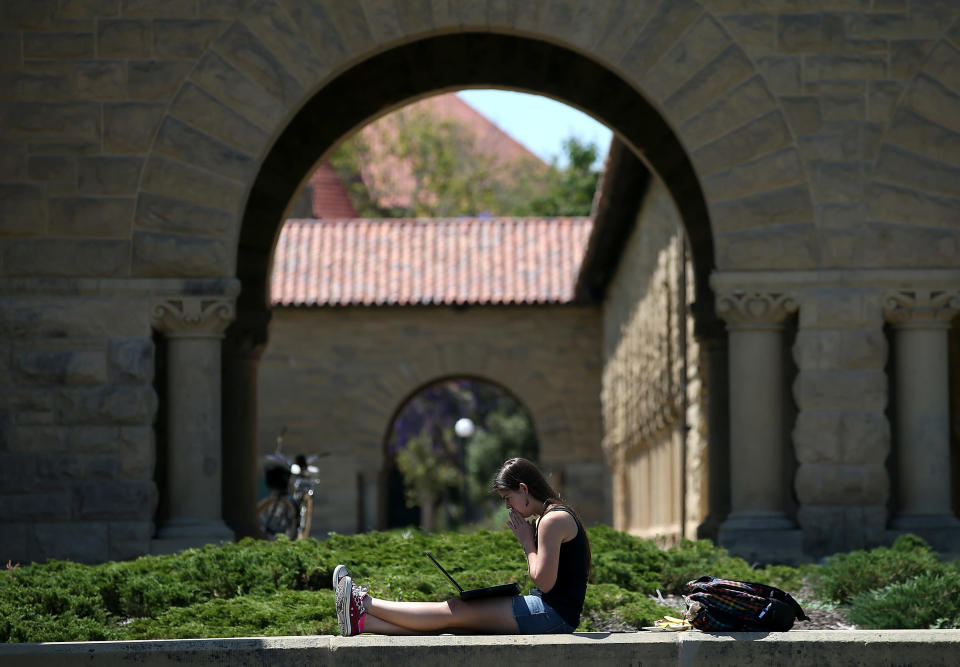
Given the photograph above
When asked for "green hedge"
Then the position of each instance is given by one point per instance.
(256, 588)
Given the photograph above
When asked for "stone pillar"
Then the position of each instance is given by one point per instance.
(921, 320)
(757, 526)
(243, 346)
(713, 356)
(194, 326)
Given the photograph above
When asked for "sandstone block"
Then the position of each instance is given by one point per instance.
(895, 165)
(124, 38)
(833, 529)
(841, 390)
(666, 24)
(920, 135)
(159, 213)
(103, 80)
(248, 55)
(13, 161)
(88, 9)
(184, 38)
(115, 500)
(112, 404)
(86, 439)
(892, 203)
(158, 8)
(843, 106)
(225, 82)
(50, 121)
(55, 168)
(178, 180)
(761, 136)
(800, 32)
(10, 51)
(844, 67)
(785, 205)
(36, 439)
(17, 472)
(156, 79)
(60, 468)
(220, 8)
(184, 143)
(131, 360)
(172, 255)
(882, 99)
(23, 210)
(49, 506)
(782, 73)
(91, 216)
(24, 317)
(36, 86)
(58, 45)
(84, 542)
(351, 23)
(803, 113)
(698, 47)
(734, 109)
(723, 73)
(137, 452)
(838, 182)
(202, 111)
(27, 14)
(840, 349)
(66, 257)
(129, 539)
(821, 484)
(835, 142)
(841, 437)
(130, 127)
(61, 366)
(109, 175)
(757, 33)
(910, 245)
(907, 56)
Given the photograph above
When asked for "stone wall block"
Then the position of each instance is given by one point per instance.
(129, 539)
(800, 33)
(26, 399)
(84, 542)
(895, 165)
(217, 120)
(287, 41)
(184, 38)
(137, 450)
(882, 100)
(893, 203)
(844, 67)
(736, 108)
(318, 30)
(667, 23)
(116, 500)
(53, 168)
(50, 121)
(383, 19)
(841, 390)
(803, 113)
(87, 439)
(184, 143)
(131, 360)
(113, 404)
(65, 367)
(130, 127)
(47, 506)
(725, 72)
(153, 80)
(907, 56)
(838, 182)
(23, 210)
(843, 107)
(58, 45)
(840, 349)
(160, 213)
(705, 40)
(220, 8)
(65, 317)
(832, 308)
(66, 257)
(164, 255)
(792, 246)
(125, 38)
(248, 55)
(158, 8)
(109, 175)
(837, 484)
(757, 33)
(351, 22)
(88, 9)
(178, 180)
(909, 246)
(91, 216)
(916, 133)
(786, 205)
(17, 473)
(761, 136)
(100, 80)
(61, 467)
(831, 529)
(35, 439)
(225, 82)
(783, 74)
(36, 86)
(836, 436)
(13, 161)
(11, 49)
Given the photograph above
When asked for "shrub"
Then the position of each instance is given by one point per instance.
(846, 575)
(930, 600)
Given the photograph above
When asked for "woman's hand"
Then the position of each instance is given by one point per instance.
(524, 531)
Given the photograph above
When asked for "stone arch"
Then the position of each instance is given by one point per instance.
(287, 79)
(913, 191)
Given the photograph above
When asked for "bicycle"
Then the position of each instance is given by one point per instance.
(288, 511)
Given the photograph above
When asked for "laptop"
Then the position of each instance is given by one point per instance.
(477, 593)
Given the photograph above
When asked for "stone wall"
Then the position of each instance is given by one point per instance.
(653, 393)
(336, 378)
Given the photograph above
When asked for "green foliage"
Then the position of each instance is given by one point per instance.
(930, 600)
(427, 473)
(446, 174)
(849, 574)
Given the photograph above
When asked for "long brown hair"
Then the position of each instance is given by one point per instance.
(519, 470)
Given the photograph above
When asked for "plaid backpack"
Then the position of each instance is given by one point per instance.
(723, 605)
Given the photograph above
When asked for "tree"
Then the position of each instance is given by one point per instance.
(419, 166)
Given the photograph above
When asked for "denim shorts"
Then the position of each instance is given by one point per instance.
(535, 617)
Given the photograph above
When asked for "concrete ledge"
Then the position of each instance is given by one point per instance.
(808, 647)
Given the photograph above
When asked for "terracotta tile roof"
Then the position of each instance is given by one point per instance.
(428, 261)
(329, 198)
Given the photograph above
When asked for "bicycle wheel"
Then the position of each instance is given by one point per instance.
(306, 514)
(277, 515)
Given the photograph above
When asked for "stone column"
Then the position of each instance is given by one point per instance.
(757, 523)
(713, 357)
(194, 326)
(921, 320)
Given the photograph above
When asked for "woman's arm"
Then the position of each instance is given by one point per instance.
(543, 552)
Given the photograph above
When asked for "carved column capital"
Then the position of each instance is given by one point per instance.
(192, 316)
(755, 309)
(921, 307)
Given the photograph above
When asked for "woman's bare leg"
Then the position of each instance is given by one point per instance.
(489, 615)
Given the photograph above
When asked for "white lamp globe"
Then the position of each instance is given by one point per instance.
(464, 427)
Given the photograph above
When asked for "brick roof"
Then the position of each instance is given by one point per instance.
(428, 261)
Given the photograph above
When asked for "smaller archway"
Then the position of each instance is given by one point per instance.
(444, 444)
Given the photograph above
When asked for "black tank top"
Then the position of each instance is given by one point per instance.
(566, 596)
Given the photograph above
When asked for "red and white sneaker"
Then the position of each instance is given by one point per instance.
(339, 572)
(350, 609)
